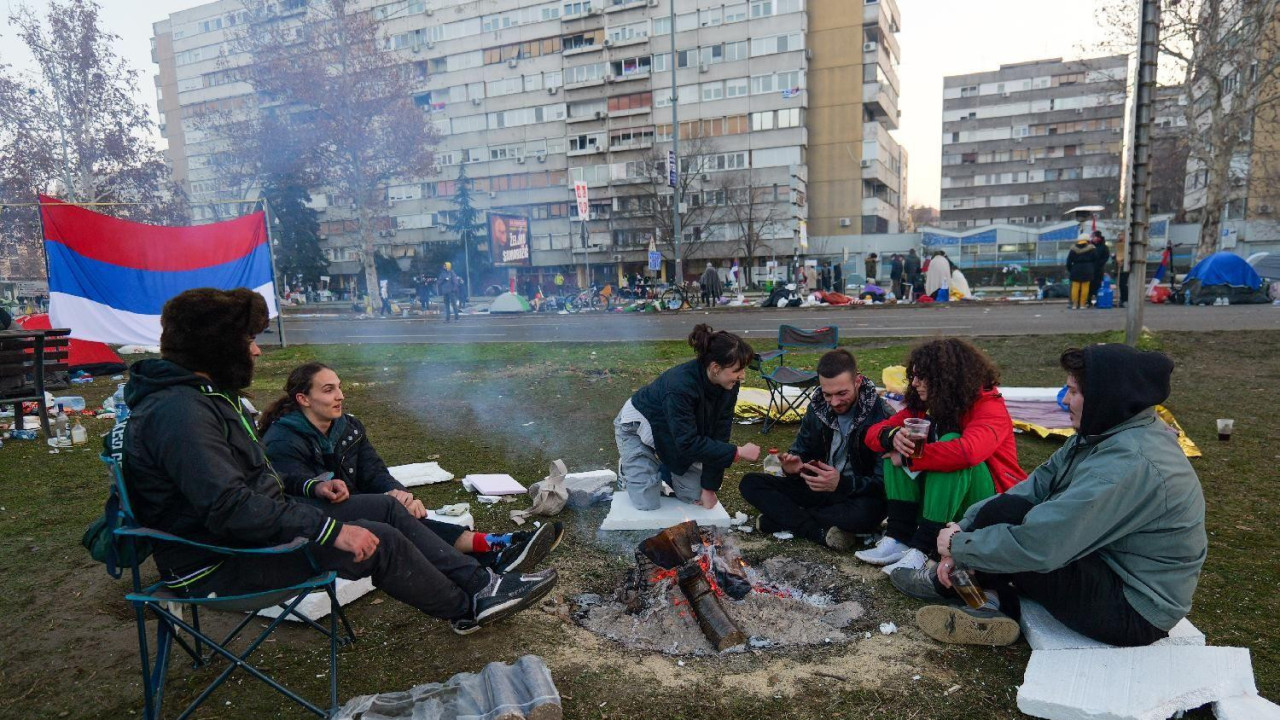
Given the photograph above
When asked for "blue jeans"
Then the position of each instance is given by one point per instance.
(641, 473)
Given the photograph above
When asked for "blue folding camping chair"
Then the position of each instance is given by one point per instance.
(790, 389)
(131, 549)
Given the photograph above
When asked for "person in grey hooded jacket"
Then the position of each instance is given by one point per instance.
(1108, 534)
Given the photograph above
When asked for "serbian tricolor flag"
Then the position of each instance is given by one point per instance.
(1165, 259)
(109, 278)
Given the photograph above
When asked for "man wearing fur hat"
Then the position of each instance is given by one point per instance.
(194, 468)
(1108, 535)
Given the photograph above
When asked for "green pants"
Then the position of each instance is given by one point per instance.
(943, 496)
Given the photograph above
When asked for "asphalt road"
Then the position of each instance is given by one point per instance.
(894, 321)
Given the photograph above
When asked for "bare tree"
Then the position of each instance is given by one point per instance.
(339, 104)
(751, 213)
(702, 203)
(1223, 53)
(919, 216)
(73, 127)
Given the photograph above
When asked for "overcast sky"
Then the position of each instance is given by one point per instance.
(939, 37)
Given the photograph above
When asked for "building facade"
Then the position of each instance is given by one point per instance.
(1025, 143)
(787, 102)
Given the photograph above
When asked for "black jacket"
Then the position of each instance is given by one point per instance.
(862, 469)
(1081, 261)
(194, 468)
(691, 418)
(1102, 254)
(911, 265)
(296, 450)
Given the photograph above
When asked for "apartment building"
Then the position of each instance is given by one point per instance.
(791, 98)
(1025, 143)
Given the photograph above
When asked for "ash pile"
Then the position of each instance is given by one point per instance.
(692, 593)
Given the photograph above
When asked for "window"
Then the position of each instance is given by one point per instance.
(735, 13)
(789, 118)
(761, 8)
(585, 142)
(661, 25)
(969, 91)
(711, 17)
(634, 101)
(712, 91)
(735, 51)
(631, 66)
(577, 7)
(661, 62)
(471, 123)
(777, 44)
(762, 121)
(632, 31)
(738, 87)
(584, 73)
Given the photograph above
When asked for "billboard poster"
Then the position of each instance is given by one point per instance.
(509, 236)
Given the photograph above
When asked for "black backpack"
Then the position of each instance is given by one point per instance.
(100, 538)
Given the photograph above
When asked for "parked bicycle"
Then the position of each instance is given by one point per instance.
(593, 298)
(681, 296)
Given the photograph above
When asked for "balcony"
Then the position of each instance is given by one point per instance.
(879, 208)
(875, 169)
(632, 5)
(626, 42)
(881, 100)
(583, 50)
(879, 57)
(597, 82)
(629, 77)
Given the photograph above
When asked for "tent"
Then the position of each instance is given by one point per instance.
(1224, 274)
(509, 302)
(94, 358)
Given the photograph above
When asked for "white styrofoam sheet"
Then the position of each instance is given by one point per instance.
(623, 515)
(1144, 683)
(1246, 707)
(423, 473)
(1044, 632)
(493, 484)
(1030, 393)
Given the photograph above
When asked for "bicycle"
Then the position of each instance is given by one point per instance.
(680, 296)
(593, 298)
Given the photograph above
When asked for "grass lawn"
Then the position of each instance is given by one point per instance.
(67, 639)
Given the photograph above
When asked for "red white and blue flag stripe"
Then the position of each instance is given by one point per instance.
(109, 278)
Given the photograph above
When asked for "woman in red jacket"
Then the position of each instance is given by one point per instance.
(970, 453)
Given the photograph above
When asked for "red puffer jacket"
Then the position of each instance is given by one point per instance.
(986, 435)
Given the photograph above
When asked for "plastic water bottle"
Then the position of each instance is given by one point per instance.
(773, 462)
(62, 427)
(79, 435)
(122, 409)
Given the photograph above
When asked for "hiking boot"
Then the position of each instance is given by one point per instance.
(963, 625)
(912, 560)
(920, 583)
(885, 552)
(506, 595)
(838, 539)
(527, 549)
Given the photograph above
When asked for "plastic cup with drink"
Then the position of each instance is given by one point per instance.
(1225, 427)
(917, 430)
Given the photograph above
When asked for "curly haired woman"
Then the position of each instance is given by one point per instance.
(970, 455)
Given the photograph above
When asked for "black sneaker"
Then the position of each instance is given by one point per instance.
(465, 626)
(920, 583)
(506, 595)
(765, 524)
(527, 549)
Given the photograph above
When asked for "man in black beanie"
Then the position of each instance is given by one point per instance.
(1108, 535)
(194, 468)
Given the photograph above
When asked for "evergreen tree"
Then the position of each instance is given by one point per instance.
(296, 232)
(468, 224)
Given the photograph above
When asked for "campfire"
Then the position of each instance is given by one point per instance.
(691, 582)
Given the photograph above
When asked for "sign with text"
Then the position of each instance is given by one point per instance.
(671, 168)
(655, 260)
(509, 235)
(584, 200)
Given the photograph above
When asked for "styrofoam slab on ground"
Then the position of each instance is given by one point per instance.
(317, 605)
(623, 515)
(1144, 683)
(424, 473)
(1044, 632)
(1246, 707)
(493, 484)
(466, 520)
(1030, 393)
(587, 488)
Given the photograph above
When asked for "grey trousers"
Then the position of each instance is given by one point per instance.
(640, 471)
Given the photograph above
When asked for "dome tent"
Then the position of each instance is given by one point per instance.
(1220, 275)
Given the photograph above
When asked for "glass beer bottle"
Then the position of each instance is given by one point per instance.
(967, 588)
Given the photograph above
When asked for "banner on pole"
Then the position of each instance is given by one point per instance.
(655, 260)
(580, 193)
(109, 278)
(672, 170)
(804, 236)
(510, 240)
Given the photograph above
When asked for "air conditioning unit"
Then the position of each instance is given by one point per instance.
(1115, 131)
(599, 114)
(845, 222)
(475, 101)
(653, 3)
(706, 178)
(865, 163)
(492, 194)
(416, 48)
(436, 168)
(704, 68)
(593, 11)
(1079, 111)
(519, 159)
(608, 42)
(617, 258)
(542, 157)
(429, 11)
(1004, 94)
(869, 47)
(808, 54)
(599, 149)
(431, 44)
(1031, 161)
(513, 63)
(610, 78)
(553, 90)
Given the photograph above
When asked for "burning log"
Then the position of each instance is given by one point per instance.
(673, 549)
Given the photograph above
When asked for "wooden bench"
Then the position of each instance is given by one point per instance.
(32, 361)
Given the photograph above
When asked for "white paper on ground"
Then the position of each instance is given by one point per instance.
(424, 473)
(624, 516)
(317, 605)
(493, 484)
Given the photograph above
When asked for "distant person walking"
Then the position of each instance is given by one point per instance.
(872, 265)
(837, 276)
(1081, 261)
(448, 284)
(712, 288)
(1100, 264)
(911, 269)
(896, 270)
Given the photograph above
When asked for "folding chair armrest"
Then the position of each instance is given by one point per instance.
(771, 355)
(760, 363)
(293, 545)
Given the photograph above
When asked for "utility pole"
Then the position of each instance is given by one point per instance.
(675, 152)
(586, 251)
(1139, 198)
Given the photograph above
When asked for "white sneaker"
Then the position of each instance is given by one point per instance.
(912, 560)
(886, 551)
